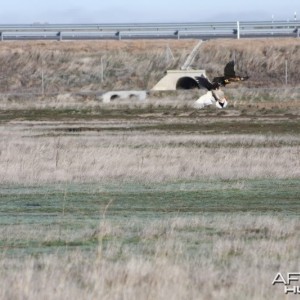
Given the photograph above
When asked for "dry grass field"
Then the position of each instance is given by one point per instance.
(98, 151)
(146, 200)
(52, 67)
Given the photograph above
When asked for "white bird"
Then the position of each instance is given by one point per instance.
(215, 95)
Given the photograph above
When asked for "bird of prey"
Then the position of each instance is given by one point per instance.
(215, 94)
(229, 75)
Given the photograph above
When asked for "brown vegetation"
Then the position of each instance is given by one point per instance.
(105, 65)
(241, 165)
(203, 257)
(147, 151)
(262, 59)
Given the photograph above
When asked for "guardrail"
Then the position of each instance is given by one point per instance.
(203, 30)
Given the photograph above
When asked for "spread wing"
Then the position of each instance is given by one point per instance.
(229, 70)
(205, 83)
(220, 81)
(229, 76)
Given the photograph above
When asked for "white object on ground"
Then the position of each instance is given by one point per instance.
(208, 99)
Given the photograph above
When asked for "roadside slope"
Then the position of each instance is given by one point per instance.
(29, 67)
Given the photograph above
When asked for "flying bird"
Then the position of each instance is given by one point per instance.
(215, 94)
(229, 75)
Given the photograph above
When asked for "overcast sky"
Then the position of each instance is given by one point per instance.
(125, 11)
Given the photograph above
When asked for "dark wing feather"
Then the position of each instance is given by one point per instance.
(229, 70)
(219, 81)
(204, 82)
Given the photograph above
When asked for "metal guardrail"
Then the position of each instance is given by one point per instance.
(204, 30)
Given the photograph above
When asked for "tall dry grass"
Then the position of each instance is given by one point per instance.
(204, 257)
(98, 65)
(207, 256)
(27, 157)
(112, 65)
(264, 60)
(286, 98)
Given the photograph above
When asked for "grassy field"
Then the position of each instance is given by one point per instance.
(151, 200)
(182, 240)
(51, 67)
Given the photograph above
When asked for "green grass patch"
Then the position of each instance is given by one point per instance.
(61, 212)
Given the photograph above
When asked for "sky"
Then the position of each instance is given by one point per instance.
(144, 11)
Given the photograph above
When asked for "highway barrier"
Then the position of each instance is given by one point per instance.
(201, 30)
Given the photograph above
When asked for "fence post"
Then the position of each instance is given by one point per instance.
(238, 29)
(286, 72)
(1, 36)
(60, 37)
(102, 71)
(118, 35)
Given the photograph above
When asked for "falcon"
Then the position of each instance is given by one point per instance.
(215, 95)
(229, 75)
